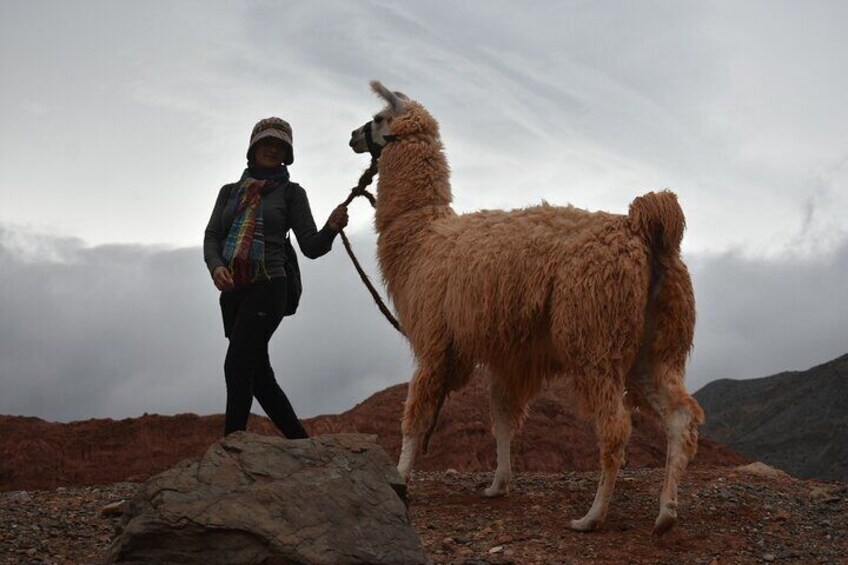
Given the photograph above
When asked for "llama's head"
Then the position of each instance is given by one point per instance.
(400, 117)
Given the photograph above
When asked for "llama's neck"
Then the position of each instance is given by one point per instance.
(413, 192)
(414, 184)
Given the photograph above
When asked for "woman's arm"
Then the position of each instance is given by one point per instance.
(312, 242)
(213, 239)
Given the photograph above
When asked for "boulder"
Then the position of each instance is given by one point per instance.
(761, 469)
(265, 499)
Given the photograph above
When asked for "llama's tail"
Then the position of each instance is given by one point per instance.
(670, 308)
(659, 218)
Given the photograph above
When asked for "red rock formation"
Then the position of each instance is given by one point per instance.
(35, 454)
(554, 438)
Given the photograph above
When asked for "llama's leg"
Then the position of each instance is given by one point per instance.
(612, 421)
(507, 414)
(408, 449)
(422, 402)
(680, 414)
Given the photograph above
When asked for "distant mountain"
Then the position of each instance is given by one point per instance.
(35, 454)
(796, 421)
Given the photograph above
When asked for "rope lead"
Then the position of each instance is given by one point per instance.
(360, 190)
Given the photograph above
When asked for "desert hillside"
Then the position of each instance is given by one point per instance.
(796, 421)
(35, 454)
(732, 511)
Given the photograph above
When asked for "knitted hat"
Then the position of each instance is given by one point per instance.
(272, 127)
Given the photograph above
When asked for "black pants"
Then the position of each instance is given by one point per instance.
(251, 315)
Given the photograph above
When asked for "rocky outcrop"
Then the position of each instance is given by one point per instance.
(555, 437)
(35, 454)
(262, 499)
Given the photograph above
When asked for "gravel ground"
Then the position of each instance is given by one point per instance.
(60, 526)
(727, 516)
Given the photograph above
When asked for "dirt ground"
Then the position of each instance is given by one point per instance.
(727, 516)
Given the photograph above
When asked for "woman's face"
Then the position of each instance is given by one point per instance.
(270, 152)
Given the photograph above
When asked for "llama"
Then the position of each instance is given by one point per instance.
(531, 295)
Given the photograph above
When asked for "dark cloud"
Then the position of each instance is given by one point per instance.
(757, 317)
(116, 331)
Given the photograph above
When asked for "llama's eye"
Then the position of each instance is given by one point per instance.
(378, 119)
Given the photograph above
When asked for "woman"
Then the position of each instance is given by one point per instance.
(245, 251)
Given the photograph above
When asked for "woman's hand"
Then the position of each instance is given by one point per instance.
(338, 218)
(223, 279)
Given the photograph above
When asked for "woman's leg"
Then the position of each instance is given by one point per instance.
(252, 323)
(276, 404)
(265, 387)
(239, 389)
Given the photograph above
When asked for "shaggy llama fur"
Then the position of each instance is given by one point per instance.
(534, 294)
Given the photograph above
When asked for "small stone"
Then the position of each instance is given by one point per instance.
(496, 549)
(114, 508)
(20, 496)
(769, 557)
(781, 516)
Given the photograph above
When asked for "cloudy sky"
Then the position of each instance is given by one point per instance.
(121, 120)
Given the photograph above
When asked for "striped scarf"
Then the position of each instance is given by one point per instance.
(244, 250)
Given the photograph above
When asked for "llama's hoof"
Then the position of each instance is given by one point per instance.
(585, 524)
(494, 492)
(665, 521)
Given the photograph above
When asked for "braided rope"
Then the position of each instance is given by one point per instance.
(360, 190)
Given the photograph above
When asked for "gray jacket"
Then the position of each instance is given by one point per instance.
(283, 208)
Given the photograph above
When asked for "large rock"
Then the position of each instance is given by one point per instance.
(264, 499)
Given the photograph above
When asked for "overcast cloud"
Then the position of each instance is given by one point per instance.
(116, 331)
(120, 121)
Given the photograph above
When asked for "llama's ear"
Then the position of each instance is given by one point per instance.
(394, 99)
